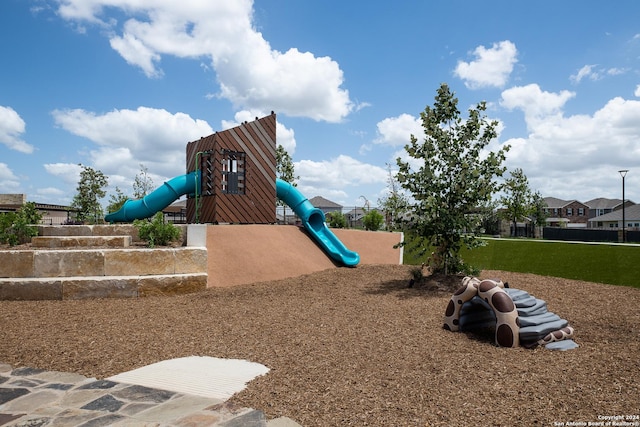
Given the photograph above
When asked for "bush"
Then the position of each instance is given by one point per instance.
(337, 220)
(373, 220)
(19, 227)
(155, 231)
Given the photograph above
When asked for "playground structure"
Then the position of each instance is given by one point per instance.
(519, 318)
(231, 178)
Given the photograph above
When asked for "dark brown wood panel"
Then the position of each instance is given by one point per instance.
(257, 140)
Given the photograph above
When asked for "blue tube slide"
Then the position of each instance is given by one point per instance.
(313, 220)
(158, 199)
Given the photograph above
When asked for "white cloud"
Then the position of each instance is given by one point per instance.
(249, 72)
(284, 136)
(637, 91)
(491, 68)
(11, 127)
(561, 151)
(9, 182)
(50, 191)
(397, 131)
(534, 102)
(617, 71)
(136, 53)
(126, 138)
(588, 71)
(68, 172)
(328, 178)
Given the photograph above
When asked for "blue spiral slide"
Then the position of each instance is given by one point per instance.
(157, 200)
(312, 218)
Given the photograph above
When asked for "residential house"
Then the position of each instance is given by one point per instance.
(354, 217)
(51, 214)
(326, 206)
(614, 219)
(284, 214)
(601, 206)
(566, 213)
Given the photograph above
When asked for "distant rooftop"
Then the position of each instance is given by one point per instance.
(320, 202)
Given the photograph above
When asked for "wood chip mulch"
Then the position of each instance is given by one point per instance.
(355, 347)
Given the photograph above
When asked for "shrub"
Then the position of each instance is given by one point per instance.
(373, 220)
(155, 231)
(337, 220)
(19, 227)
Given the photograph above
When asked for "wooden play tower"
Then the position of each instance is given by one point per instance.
(238, 175)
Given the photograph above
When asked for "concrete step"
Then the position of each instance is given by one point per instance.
(89, 287)
(80, 241)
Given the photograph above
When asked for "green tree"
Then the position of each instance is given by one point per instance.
(450, 177)
(516, 199)
(286, 172)
(142, 184)
(373, 220)
(19, 227)
(90, 191)
(284, 166)
(395, 204)
(116, 201)
(489, 218)
(538, 212)
(520, 202)
(337, 219)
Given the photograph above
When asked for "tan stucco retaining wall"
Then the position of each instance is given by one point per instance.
(241, 254)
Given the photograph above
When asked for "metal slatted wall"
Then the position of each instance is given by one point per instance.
(252, 197)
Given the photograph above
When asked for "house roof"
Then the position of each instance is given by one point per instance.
(555, 203)
(631, 213)
(320, 202)
(602, 203)
(39, 206)
(552, 202)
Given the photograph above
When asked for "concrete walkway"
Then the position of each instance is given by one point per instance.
(33, 397)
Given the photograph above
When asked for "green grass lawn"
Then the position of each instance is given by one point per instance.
(602, 263)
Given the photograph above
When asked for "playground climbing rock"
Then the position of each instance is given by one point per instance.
(518, 317)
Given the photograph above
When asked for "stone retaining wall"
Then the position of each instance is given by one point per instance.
(101, 230)
(218, 255)
(101, 273)
(102, 262)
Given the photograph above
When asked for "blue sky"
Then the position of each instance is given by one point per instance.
(112, 84)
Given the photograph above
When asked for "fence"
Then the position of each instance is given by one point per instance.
(588, 235)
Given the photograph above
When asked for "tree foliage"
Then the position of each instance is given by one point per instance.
(395, 204)
(372, 220)
(337, 219)
(538, 213)
(284, 166)
(19, 227)
(449, 177)
(517, 200)
(89, 192)
(116, 201)
(285, 171)
(520, 202)
(142, 183)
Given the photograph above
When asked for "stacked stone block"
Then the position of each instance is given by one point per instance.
(63, 274)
